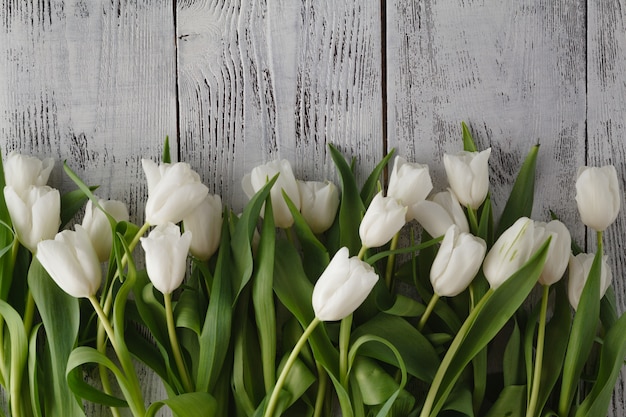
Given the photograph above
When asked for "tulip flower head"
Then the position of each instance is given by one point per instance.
(558, 252)
(22, 171)
(35, 213)
(205, 225)
(597, 196)
(98, 227)
(579, 267)
(319, 204)
(174, 191)
(286, 181)
(457, 262)
(468, 175)
(512, 249)
(409, 182)
(384, 217)
(439, 213)
(71, 261)
(166, 256)
(343, 286)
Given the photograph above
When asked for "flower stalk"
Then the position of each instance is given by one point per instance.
(178, 357)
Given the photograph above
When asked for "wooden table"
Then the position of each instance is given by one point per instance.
(235, 83)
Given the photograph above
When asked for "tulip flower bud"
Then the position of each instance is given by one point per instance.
(35, 213)
(21, 171)
(71, 261)
(579, 267)
(174, 191)
(558, 252)
(409, 183)
(286, 181)
(320, 201)
(457, 262)
(597, 196)
(343, 286)
(384, 217)
(205, 225)
(166, 256)
(438, 215)
(468, 175)
(512, 249)
(98, 227)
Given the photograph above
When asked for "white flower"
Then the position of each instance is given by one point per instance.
(320, 201)
(438, 215)
(21, 171)
(579, 267)
(71, 261)
(409, 182)
(98, 227)
(384, 217)
(342, 287)
(286, 181)
(468, 175)
(205, 225)
(174, 191)
(558, 252)
(457, 262)
(166, 256)
(598, 196)
(35, 213)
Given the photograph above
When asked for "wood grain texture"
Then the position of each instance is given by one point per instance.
(261, 80)
(606, 120)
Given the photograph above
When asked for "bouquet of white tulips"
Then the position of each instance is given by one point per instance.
(299, 305)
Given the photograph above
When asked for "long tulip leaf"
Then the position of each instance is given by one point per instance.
(187, 405)
(18, 348)
(369, 187)
(468, 141)
(71, 203)
(511, 402)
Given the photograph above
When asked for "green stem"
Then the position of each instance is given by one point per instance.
(429, 309)
(473, 220)
(344, 343)
(600, 243)
(273, 401)
(29, 312)
(136, 404)
(322, 378)
(104, 376)
(541, 333)
(391, 260)
(362, 252)
(178, 357)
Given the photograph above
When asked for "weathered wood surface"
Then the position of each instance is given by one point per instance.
(236, 83)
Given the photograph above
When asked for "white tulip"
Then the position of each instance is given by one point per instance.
(174, 191)
(319, 204)
(558, 252)
(35, 213)
(457, 262)
(98, 227)
(409, 182)
(439, 213)
(286, 182)
(468, 175)
(579, 267)
(598, 196)
(71, 261)
(384, 217)
(205, 225)
(343, 286)
(166, 256)
(22, 171)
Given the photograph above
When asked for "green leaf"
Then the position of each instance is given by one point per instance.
(166, 157)
(215, 337)
(375, 384)
(510, 403)
(581, 341)
(512, 367)
(369, 188)
(468, 142)
(187, 405)
(60, 315)
(351, 208)
(483, 323)
(33, 357)
(520, 202)
(72, 202)
(404, 306)
(18, 349)
(612, 357)
(6, 241)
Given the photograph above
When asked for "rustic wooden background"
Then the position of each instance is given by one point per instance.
(235, 83)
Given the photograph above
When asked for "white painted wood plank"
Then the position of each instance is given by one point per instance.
(94, 83)
(606, 119)
(278, 79)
